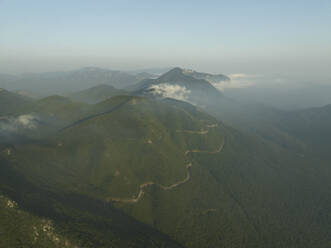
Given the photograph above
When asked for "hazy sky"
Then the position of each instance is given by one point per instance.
(286, 37)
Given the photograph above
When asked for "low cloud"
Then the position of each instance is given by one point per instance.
(243, 76)
(238, 80)
(170, 91)
(23, 122)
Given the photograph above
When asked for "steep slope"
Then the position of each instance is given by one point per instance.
(32, 120)
(97, 94)
(57, 219)
(180, 171)
(113, 142)
(301, 131)
(19, 228)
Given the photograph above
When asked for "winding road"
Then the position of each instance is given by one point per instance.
(172, 186)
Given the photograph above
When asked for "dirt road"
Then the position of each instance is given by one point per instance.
(170, 187)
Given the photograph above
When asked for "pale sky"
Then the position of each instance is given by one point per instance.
(256, 37)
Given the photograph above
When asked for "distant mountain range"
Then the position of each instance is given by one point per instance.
(62, 82)
(66, 81)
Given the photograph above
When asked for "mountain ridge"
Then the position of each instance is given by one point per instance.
(97, 93)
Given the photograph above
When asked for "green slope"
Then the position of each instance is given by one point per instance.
(112, 153)
(71, 218)
(252, 194)
(19, 228)
(132, 154)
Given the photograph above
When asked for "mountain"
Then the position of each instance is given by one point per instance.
(179, 84)
(180, 174)
(151, 71)
(128, 127)
(67, 81)
(25, 93)
(212, 78)
(145, 75)
(11, 102)
(97, 94)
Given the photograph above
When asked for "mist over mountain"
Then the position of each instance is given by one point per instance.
(151, 71)
(169, 161)
(66, 81)
(294, 96)
(212, 78)
(181, 84)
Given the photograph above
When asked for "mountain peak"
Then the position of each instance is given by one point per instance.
(175, 71)
(177, 74)
(185, 74)
(181, 84)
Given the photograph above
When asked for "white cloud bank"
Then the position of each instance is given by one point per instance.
(170, 91)
(27, 121)
(238, 80)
